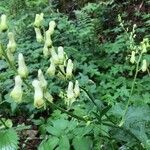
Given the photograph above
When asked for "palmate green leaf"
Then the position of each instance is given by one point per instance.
(8, 140)
(82, 143)
(64, 143)
(49, 144)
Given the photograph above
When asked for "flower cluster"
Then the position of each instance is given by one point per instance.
(60, 66)
(141, 50)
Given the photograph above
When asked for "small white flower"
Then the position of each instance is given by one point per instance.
(61, 54)
(48, 41)
(11, 46)
(69, 69)
(144, 65)
(10, 56)
(55, 57)
(17, 91)
(38, 94)
(77, 89)
(70, 94)
(22, 68)
(38, 20)
(3, 23)
(52, 26)
(46, 51)
(132, 59)
(48, 97)
(39, 36)
(42, 80)
(52, 69)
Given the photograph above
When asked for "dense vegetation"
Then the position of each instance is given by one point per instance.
(94, 95)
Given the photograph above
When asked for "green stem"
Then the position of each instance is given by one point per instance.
(67, 112)
(131, 92)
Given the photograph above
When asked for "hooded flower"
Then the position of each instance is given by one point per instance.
(69, 69)
(52, 69)
(11, 46)
(132, 59)
(144, 65)
(77, 89)
(48, 41)
(3, 23)
(52, 26)
(42, 80)
(17, 92)
(38, 20)
(48, 97)
(39, 37)
(38, 94)
(70, 94)
(46, 51)
(22, 68)
(10, 56)
(61, 55)
(55, 57)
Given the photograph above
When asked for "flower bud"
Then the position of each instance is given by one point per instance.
(52, 26)
(48, 41)
(11, 46)
(42, 80)
(38, 20)
(132, 59)
(69, 69)
(22, 68)
(144, 65)
(3, 24)
(61, 55)
(52, 69)
(76, 89)
(48, 97)
(38, 94)
(55, 57)
(17, 92)
(39, 37)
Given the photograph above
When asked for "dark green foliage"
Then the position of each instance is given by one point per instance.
(100, 49)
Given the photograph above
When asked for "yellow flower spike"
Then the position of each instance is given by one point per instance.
(144, 65)
(69, 69)
(38, 94)
(61, 54)
(38, 20)
(22, 68)
(132, 59)
(48, 41)
(39, 36)
(70, 94)
(10, 56)
(3, 23)
(52, 69)
(17, 91)
(48, 97)
(52, 26)
(55, 57)
(42, 80)
(11, 46)
(77, 89)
